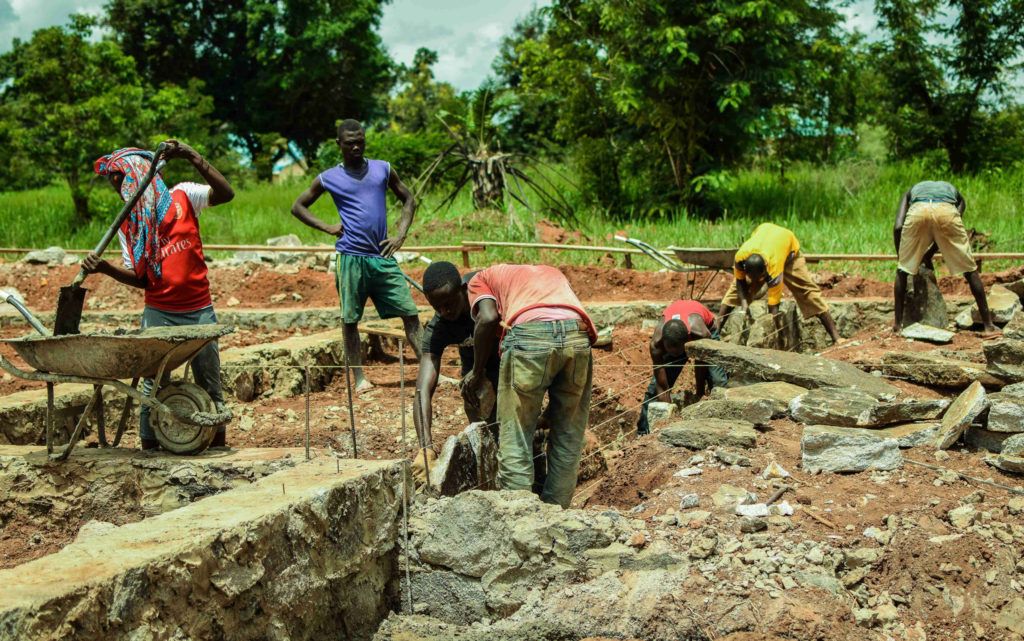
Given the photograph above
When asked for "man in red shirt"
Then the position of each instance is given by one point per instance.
(162, 253)
(545, 350)
(681, 322)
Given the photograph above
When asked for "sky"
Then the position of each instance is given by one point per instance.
(465, 35)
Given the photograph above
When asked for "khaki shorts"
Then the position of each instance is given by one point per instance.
(938, 223)
(798, 280)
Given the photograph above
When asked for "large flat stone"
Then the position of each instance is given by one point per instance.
(468, 460)
(967, 407)
(850, 408)
(1005, 359)
(911, 434)
(825, 448)
(756, 411)
(1003, 303)
(699, 434)
(290, 556)
(927, 333)
(779, 393)
(1014, 464)
(753, 365)
(1005, 413)
(983, 439)
(924, 302)
(934, 370)
(1015, 328)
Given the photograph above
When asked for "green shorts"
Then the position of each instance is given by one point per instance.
(376, 278)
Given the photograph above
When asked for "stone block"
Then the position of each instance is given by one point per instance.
(1005, 359)
(987, 440)
(826, 448)
(758, 411)
(1015, 328)
(703, 433)
(467, 461)
(1014, 445)
(753, 365)
(927, 333)
(658, 411)
(934, 370)
(1005, 413)
(1014, 464)
(293, 553)
(967, 407)
(49, 256)
(924, 302)
(1002, 303)
(911, 434)
(850, 408)
(778, 393)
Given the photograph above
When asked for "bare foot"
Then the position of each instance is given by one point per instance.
(363, 386)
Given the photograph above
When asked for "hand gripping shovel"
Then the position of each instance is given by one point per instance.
(72, 298)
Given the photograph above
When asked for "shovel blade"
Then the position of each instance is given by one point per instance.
(69, 310)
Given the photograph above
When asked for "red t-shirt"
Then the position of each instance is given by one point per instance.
(681, 310)
(516, 289)
(184, 286)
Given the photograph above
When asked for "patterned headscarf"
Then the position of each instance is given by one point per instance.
(145, 218)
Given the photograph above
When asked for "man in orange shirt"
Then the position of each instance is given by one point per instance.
(545, 350)
(682, 321)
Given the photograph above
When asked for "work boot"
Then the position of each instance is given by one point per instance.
(219, 440)
(149, 444)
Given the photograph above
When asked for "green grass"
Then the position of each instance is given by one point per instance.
(838, 209)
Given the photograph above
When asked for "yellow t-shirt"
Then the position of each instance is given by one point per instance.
(774, 244)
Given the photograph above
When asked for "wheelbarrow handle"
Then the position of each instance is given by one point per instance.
(154, 167)
(10, 299)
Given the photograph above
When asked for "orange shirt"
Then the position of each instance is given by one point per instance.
(517, 289)
(681, 310)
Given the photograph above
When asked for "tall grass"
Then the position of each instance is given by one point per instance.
(838, 209)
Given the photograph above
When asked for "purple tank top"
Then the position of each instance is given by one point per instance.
(362, 206)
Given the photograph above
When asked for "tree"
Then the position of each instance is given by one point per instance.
(947, 67)
(291, 69)
(68, 100)
(657, 97)
(415, 107)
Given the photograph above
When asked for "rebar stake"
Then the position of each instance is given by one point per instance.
(401, 386)
(307, 412)
(405, 533)
(351, 410)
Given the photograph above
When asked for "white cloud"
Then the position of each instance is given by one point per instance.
(19, 18)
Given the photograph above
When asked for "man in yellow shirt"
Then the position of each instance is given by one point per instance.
(772, 256)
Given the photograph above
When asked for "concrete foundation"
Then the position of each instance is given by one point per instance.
(305, 553)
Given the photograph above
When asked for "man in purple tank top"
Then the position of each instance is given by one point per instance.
(365, 266)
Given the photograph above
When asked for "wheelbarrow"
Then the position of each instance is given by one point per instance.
(690, 260)
(182, 414)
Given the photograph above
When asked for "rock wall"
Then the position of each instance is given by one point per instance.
(305, 553)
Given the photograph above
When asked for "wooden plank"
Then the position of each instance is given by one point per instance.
(464, 250)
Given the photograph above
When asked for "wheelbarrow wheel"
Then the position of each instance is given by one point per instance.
(174, 435)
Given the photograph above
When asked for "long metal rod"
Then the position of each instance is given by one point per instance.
(939, 468)
(401, 386)
(307, 412)
(405, 535)
(97, 392)
(351, 409)
(49, 416)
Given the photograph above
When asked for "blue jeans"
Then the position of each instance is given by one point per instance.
(205, 365)
(545, 358)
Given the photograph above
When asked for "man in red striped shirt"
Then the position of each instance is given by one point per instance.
(681, 322)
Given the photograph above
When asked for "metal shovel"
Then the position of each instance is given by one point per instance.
(72, 298)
